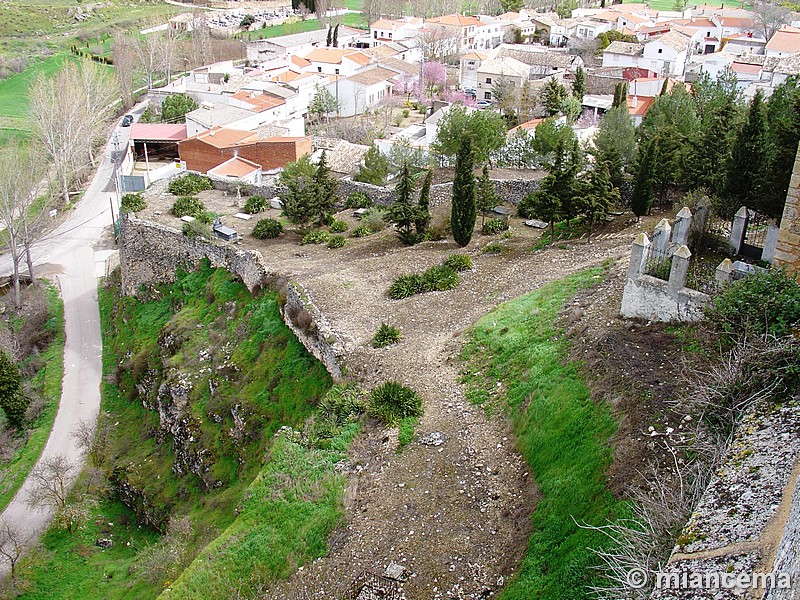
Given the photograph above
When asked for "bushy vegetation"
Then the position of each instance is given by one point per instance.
(766, 302)
(339, 226)
(132, 203)
(189, 184)
(267, 229)
(386, 336)
(562, 433)
(12, 397)
(316, 236)
(391, 402)
(256, 204)
(374, 220)
(458, 262)
(337, 241)
(357, 200)
(436, 278)
(361, 231)
(494, 226)
(196, 229)
(188, 206)
(492, 248)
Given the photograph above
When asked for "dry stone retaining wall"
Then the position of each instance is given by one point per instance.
(787, 249)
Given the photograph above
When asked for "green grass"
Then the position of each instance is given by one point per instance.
(264, 374)
(47, 383)
(284, 521)
(561, 432)
(350, 19)
(14, 93)
(406, 432)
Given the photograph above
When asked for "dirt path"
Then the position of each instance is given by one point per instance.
(457, 515)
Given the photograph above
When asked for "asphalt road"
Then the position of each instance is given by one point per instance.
(69, 253)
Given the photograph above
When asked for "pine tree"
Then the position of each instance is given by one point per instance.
(620, 95)
(749, 160)
(487, 199)
(642, 196)
(464, 210)
(326, 186)
(783, 110)
(544, 204)
(12, 399)
(615, 143)
(423, 219)
(579, 85)
(375, 168)
(553, 96)
(402, 213)
(598, 196)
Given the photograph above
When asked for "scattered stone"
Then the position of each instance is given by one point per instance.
(276, 203)
(436, 438)
(187, 218)
(104, 543)
(396, 572)
(536, 224)
(243, 216)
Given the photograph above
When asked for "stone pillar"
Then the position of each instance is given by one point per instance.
(683, 223)
(679, 270)
(770, 243)
(787, 248)
(639, 250)
(724, 272)
(661, 235)
(738, 231)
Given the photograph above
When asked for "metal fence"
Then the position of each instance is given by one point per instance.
(658, 263)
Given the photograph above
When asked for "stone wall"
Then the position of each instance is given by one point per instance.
(787, 248)
(150, 253)
(748, 519)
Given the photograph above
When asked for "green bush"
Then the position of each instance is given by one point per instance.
(196, 229)
(493, 226)
(405, 286)
(391, 402)
(132, 203)
(765, 302)
(357, 200)
(337, 241)
(267, 229)
(440, 278)
(492, 248)
(386, 336)
(374, 220)
(360, 231)
(12, 398)
(339, 227)
(317, 236)
(458, 262)
(256, 204)
(343, 403)
(189, 184)
(205, 217)
(187, 205)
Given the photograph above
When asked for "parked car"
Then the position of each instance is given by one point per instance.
(127, 121)
(483, 104)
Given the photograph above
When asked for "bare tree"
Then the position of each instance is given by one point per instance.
(167, 51)
(12, 545)
(98, 93)
(51, 479)
(124, 67)
(440, 43)
(74, 514)
(770, 18)
(201, 39)
(149, 55)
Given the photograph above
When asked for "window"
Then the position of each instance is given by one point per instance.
(487, 95)
(375, 34)
(488, 80)
(336, 71)
(319, 69)
(660, 50)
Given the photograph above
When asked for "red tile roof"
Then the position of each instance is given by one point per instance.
(235, 167)
(158, 131)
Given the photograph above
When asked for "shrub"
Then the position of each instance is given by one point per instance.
(187, 205)
(189, 184)
(343, 403)
(492, 248)
(256, 204)
(440, 229)
(205, 217)
(765, 302)
(339, 227)
(12, 398)
(493, 226)
(196, 229)
(392, 401)
(267, 229)
(337, 241)
(317, 236)
(360, 231)
(440, 278)
(374, 220)
(132, 203)
(386, 336)
(405, 286)
(458, 262)
(357, 200)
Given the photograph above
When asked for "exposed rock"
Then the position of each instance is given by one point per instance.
(104, 543)
(436, 438)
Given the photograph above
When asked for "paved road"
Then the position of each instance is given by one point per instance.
(69, 253)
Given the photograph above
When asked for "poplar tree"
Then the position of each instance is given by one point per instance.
(464, 210)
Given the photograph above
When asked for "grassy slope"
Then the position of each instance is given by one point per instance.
(349, 19)
(562, 433)
(277, 374)
(47, 382)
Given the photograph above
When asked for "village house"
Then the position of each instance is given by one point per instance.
(491, 73)
(335, 61)
(385, 31)
(299, 43)
(462, 30)
(363, 90)
(468, 67)
(786, 41)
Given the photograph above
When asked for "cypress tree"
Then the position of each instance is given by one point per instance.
(402, 213)
(326, 187)
(642, 196)
(749, 160)
(336, 36)
(329, 39)
(579, 86)
(620, 95)
(12, 399)
(423, 219)
(464, 209)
